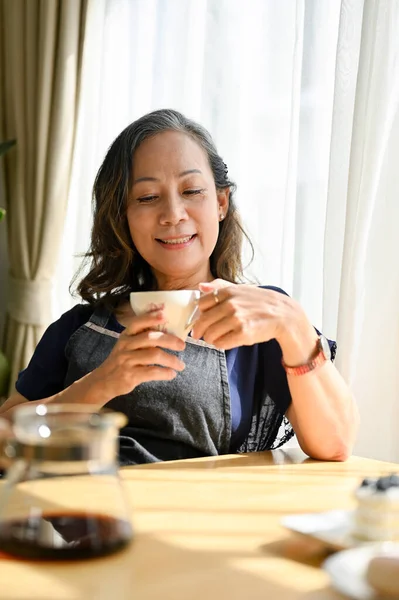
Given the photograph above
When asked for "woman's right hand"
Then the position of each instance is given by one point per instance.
(138, 356)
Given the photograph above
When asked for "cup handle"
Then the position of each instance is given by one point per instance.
(192, 318)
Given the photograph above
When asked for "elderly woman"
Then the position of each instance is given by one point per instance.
(254, 369)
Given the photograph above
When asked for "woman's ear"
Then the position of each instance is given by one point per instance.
(223, 197)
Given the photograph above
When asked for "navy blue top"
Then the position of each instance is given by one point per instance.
(46, 372)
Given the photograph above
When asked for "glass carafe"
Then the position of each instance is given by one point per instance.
(62, 497)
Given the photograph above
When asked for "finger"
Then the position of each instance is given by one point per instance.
(218, 330)
(150, 320)
(212, 299)
(153, 373)
(152, 339)
(233, 339)
(208, 318)
(155, 356)
(209, 286)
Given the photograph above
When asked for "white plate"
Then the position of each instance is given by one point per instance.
(347, 569)
(333, 528)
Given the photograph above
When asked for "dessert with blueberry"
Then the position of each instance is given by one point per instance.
(377, 514)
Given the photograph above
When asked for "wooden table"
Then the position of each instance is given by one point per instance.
(209, 529)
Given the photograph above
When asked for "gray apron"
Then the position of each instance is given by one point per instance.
(168, 420)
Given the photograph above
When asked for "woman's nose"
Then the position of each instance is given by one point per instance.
(173, 210)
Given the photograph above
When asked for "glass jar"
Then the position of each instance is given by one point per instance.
(62, 497)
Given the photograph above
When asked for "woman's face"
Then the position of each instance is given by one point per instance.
(174, 209)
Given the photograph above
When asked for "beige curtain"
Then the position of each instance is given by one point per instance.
(41, 47)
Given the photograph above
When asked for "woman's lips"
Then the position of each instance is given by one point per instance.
(177, 243)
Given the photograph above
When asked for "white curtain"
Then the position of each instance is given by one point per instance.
(368, 309)
(301, 97)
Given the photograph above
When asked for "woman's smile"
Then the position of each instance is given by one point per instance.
(176, 243)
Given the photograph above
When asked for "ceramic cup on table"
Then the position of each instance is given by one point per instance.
(180, 307)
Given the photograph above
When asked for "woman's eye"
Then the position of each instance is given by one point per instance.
(145, 199)
(152, 197)
(193, 192)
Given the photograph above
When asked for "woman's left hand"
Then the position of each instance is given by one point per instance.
(243, 315)
(323, 413)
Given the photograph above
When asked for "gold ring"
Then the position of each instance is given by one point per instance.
(216, 296)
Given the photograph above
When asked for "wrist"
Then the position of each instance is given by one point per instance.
(87, 390)
(298, 340)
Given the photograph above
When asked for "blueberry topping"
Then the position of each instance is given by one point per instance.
(367, 482)
(394, 479)
(387, 482)
(381, 484)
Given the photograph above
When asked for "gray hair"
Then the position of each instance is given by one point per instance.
(167, 119)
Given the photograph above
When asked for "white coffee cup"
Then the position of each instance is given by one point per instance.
(180, 308)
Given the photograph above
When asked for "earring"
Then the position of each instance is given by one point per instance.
(221, 216)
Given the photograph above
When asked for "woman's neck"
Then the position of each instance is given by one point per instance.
(190, 282)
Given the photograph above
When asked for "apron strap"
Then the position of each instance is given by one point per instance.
(100, 316)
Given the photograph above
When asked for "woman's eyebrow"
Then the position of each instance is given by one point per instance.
(189, 172)
(144, 179)
(182, 174)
